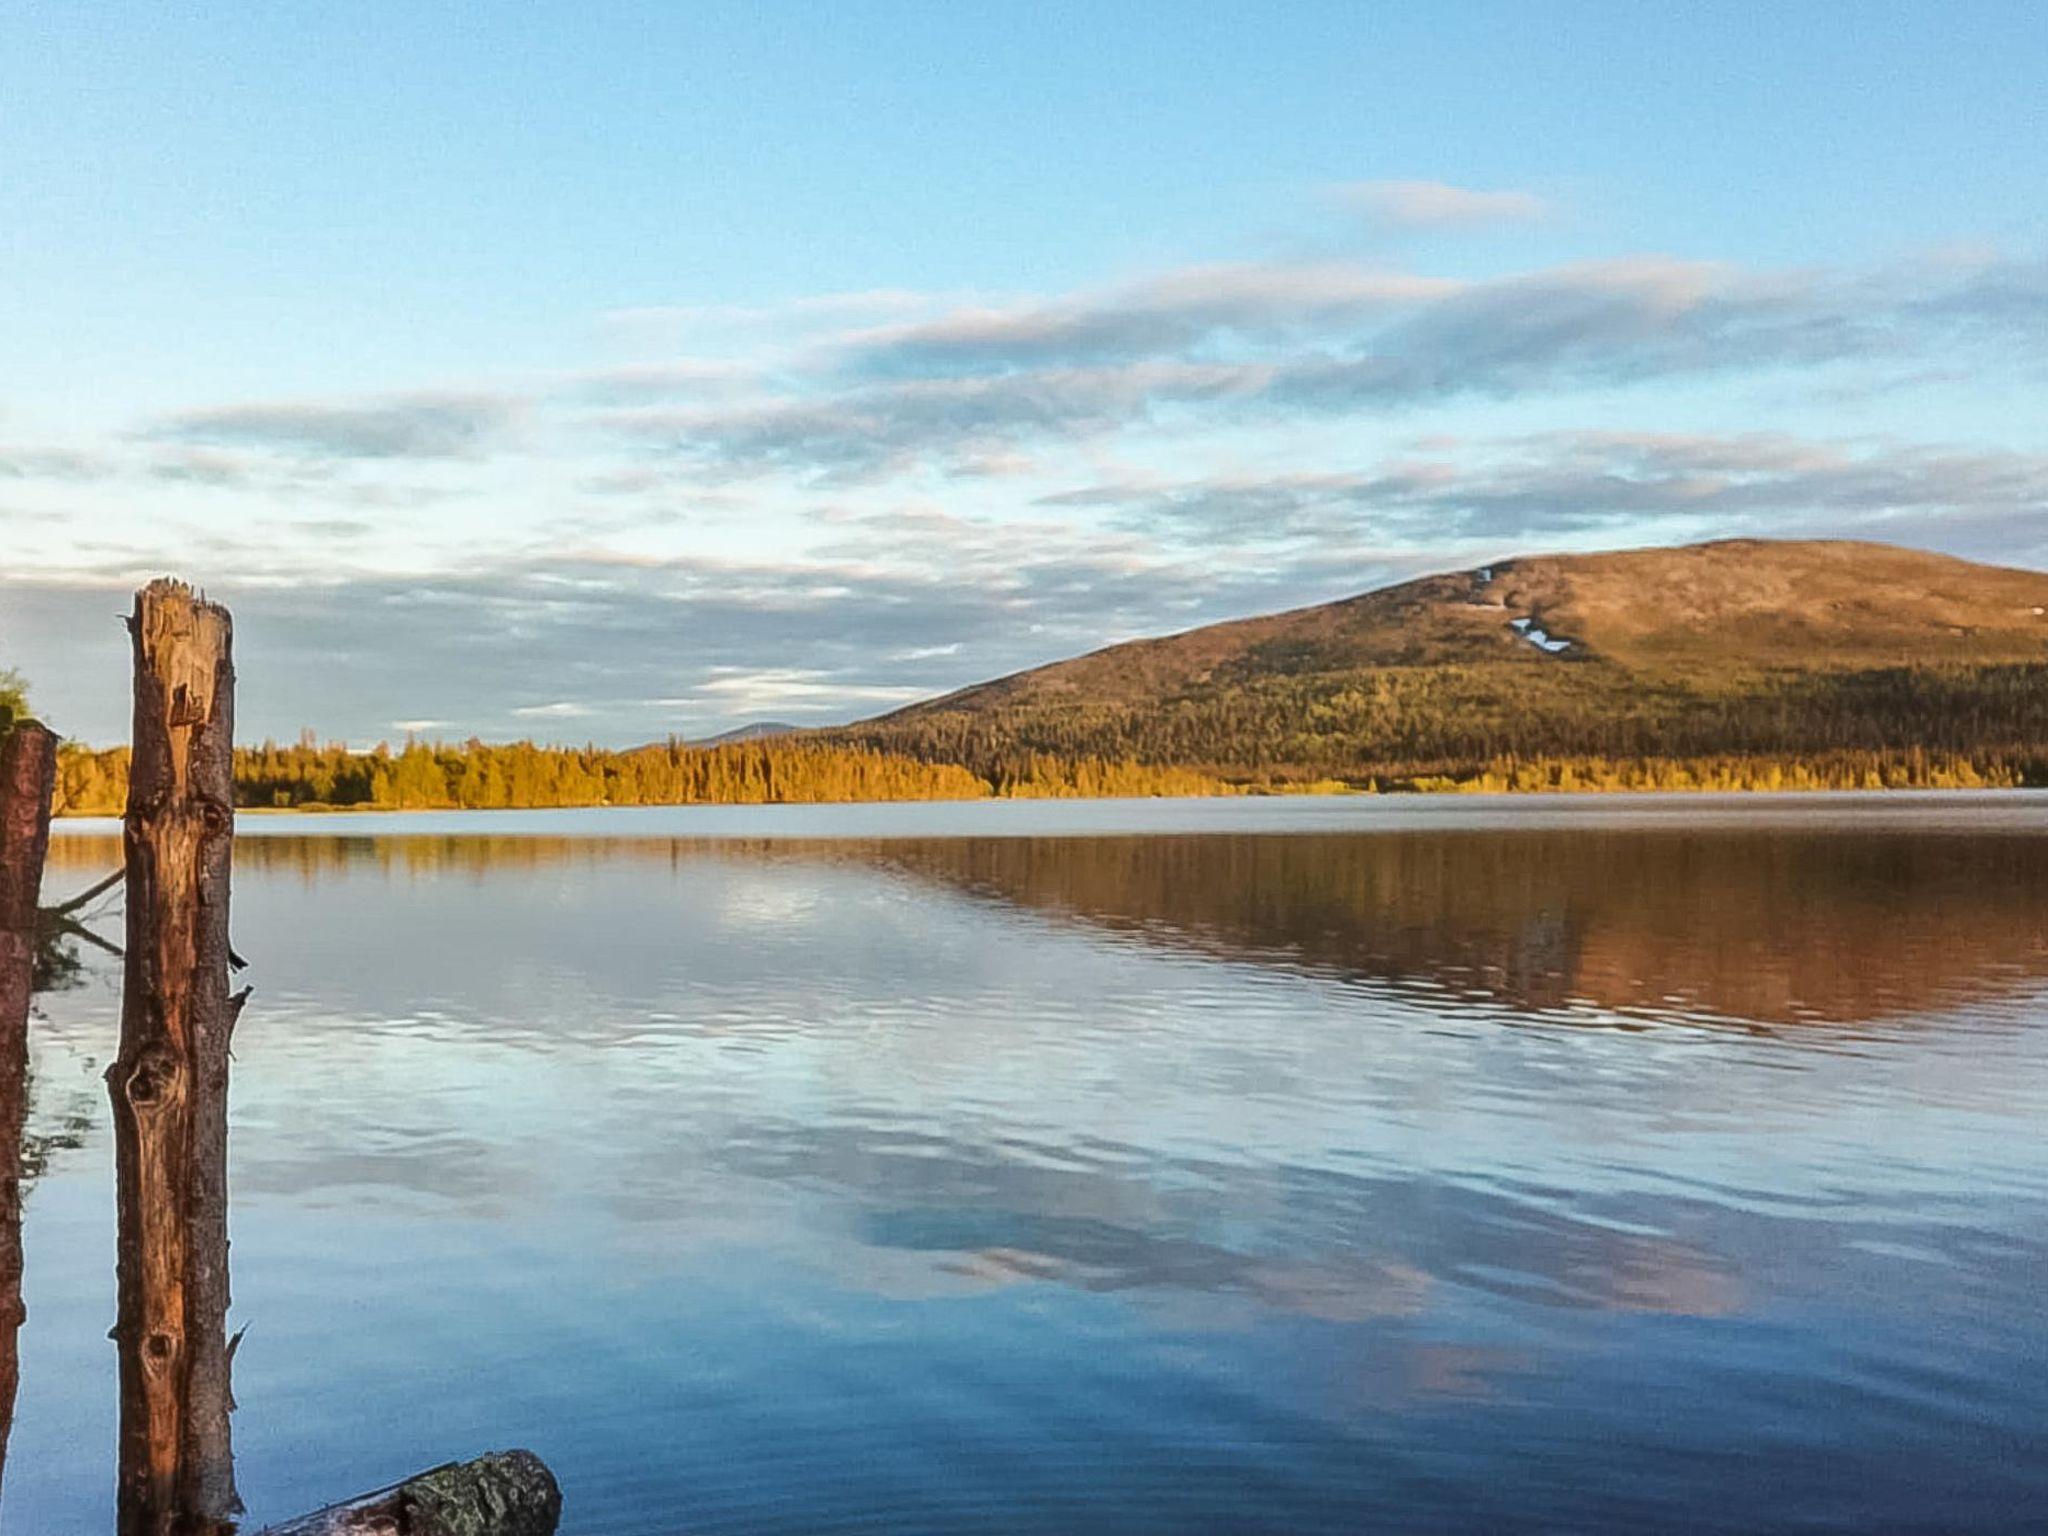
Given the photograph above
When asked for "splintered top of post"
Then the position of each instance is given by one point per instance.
(169, 590)
(184, 674)
(171, 618)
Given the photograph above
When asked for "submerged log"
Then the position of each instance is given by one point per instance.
(28, 774)
(508, 1493)
(169, 1084)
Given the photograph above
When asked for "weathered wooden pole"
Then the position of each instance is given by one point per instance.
(169, 1084)
(28, 774)
(508, 1493)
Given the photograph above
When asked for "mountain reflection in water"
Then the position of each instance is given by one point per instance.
(1764, 927)
(1155, 1183)
(1769, 927)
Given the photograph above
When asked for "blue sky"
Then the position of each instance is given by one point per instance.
(609, 370)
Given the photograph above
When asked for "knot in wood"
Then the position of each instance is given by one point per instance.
(152, 1077)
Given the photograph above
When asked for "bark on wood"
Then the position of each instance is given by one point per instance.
(169, 1083)
(28, 774)
(509, 1493)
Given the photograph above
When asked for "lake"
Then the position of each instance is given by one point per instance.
(1448, 1164)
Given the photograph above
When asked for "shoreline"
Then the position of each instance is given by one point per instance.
(1461, 790)
(2022, 812)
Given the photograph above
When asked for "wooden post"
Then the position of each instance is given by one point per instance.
(509, 1493)
(28, 774)
(169, 1084)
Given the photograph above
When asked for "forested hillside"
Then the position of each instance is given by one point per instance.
(1834, 663)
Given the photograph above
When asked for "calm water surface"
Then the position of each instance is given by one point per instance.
(1309, 1167)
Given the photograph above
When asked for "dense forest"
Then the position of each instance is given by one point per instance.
(1525, 724)
(478, 776)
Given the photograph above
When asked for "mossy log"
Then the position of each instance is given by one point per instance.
(508, 1493)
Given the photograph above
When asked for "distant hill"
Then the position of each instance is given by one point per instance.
(1742, 647)
(759, 730)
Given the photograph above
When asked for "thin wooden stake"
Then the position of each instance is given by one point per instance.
(28, 774)
(169, 1084)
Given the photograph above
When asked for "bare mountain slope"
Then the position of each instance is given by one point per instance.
(1740, 604)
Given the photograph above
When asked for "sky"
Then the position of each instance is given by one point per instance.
(609, 371)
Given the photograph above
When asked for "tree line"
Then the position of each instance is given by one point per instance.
(1419, 726)
(476, 775)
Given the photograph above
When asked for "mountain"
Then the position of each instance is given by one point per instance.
(1712, 606)
(1747, 647)
(758, 730)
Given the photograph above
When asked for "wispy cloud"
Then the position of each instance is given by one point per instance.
(1252, 345)
(1435, 205)
(667, 324)
(675, 378)
(1176, 312)
(754, 690)
(419, 425)
(53, 464)
(880, 427)
(1541, 485)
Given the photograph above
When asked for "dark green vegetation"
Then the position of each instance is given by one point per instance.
(1744, 663)
(13, 699)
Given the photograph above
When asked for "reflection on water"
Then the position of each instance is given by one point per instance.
(1152, 1183)
(1767, 927)
(1746, 925)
